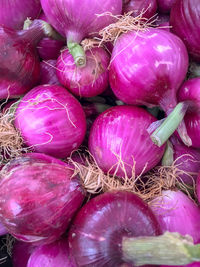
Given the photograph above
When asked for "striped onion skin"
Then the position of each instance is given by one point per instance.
(120, 133)
(51, 120)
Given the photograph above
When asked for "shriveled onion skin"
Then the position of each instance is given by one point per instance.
(120, 133)
(148, 67)
(15, 12)
(77, 18)
(147, 7)
(96, 234)
(88, 81)
(190, 91)
(38, 201)
(55, 254)
(51, 120)
(184, 19)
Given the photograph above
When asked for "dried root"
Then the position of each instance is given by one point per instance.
(8, 243)
(146, 186)
(125, 23)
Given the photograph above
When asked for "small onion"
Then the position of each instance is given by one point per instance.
(88, 81)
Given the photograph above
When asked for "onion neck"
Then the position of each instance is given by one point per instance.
(168, 157)
(75, 49)
(166, 249)
(36, 30)
(170, 124)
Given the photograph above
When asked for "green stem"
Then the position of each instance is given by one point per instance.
(170, 124)
(77, 52)
(168, 156)
(166, 249)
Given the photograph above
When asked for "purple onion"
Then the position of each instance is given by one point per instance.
(184, 19)
(20, 64)
(187, 160)
(147, 7)
(15, 12)
(176, 212)
(49, 48)
(88, 81)
(198, 187)
(76, 20)
(164, 6)
(148, 67)
(51, 121)
(119, 135)
(38, 200)
(102, 224)
(48, 72)
(189, 95)
(52, 255)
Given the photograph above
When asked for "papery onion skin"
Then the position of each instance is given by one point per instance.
(120, 133)
(21, 253)
(38, 201)
(184, 19)
(176, 212)
(148, 67)
(146, 7)
(49, 48)
(164, 6)
(51, 120)
(15, 12)
(190, 92)
(103, 222)
(88, 81)
(76, 20)
(48, 72)
(52, 255)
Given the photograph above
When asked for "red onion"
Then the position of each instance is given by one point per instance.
(164, 6)
(21, 253)
(148, 67)
(3, 230)
(120, 230)
(189, 95)
(38, 200)
(39, 157)
(88, 81)
(119, 135)
(103, 222)
(147, 7)
(48, 72)
(187, 160)
(52, 255)
(51, 120)
(15, 12)
(49, 48)
(184, 18)
(172, 209)
(20, 65)
(76, 20)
